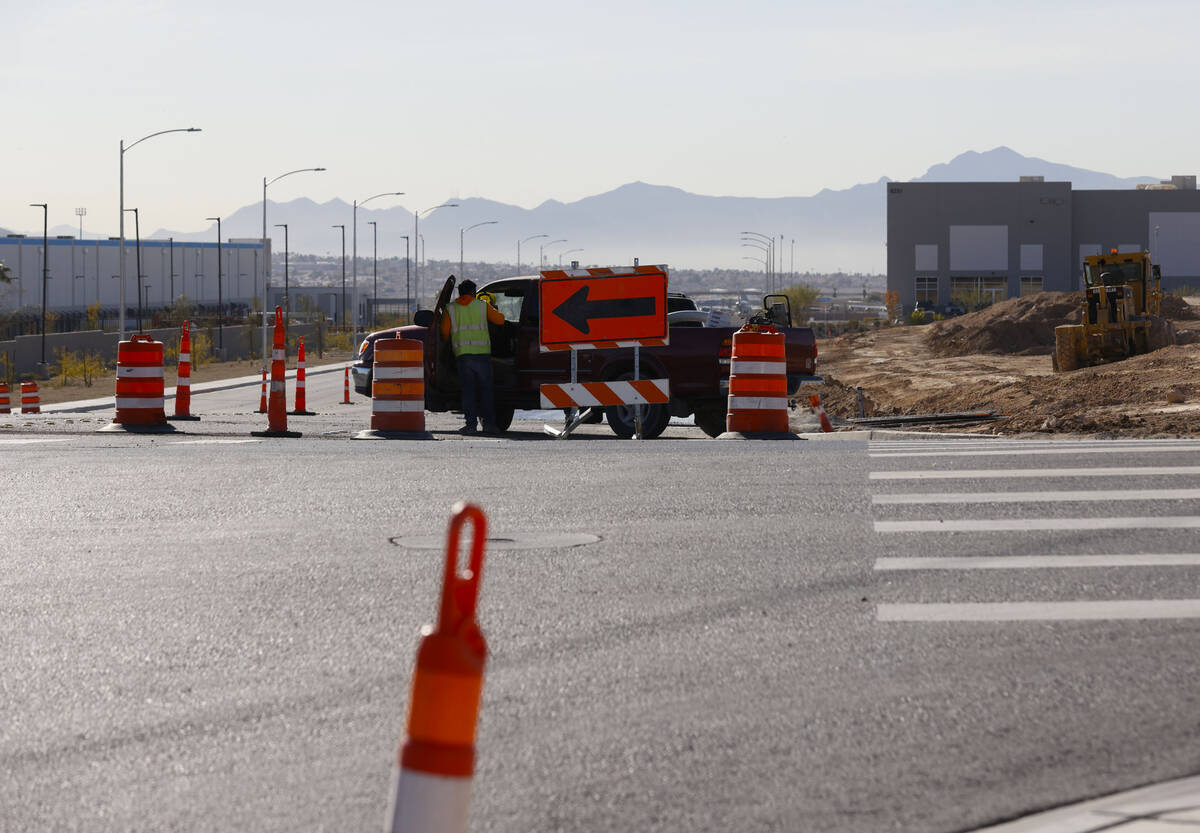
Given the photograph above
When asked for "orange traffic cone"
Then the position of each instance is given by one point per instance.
(346, 388)
(301, 403)
(183, 377)
(262, 400)
(277, 404)
(437, 758)
(819, 410)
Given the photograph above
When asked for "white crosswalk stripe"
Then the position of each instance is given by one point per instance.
(1027, 511)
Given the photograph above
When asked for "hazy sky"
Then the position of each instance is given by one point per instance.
(526, 101)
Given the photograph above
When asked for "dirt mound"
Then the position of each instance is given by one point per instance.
(1022, 325)
(1177, 309)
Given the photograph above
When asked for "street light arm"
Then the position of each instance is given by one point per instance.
(289, 173)
(484, 223)
(161, 132)
(384, 194)
(535, 237)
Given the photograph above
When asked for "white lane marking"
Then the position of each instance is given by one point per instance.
(1034, 562)
(26, 440)
(971, 474)
(1040, 524)
(212, 442)
(1037, 497)
(994, 443)
(1040, 611)
(1004, 452)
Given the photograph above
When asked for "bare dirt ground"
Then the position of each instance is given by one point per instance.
(999, 360)
(54, 390)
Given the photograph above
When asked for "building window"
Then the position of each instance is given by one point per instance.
(977, 293)
(1030, 284)
(926, 290)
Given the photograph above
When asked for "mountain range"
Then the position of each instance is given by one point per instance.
(832, 230)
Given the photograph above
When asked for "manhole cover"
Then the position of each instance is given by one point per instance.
(508, 541)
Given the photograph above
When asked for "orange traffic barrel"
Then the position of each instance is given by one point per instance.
(758, 404)
(31, 401)
(183, 376)
(140, 386)
(432, 791)
(5, 407)
(397, 391)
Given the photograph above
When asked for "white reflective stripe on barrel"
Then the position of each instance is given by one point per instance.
(300, 383)
(185, 357)
(757, 403)
(277, 355)
(130, 372)
(773, 368)
(399, 373)
(276, 387)
(386, 405)
(124, 402)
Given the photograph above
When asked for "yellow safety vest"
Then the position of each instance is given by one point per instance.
(469, 329)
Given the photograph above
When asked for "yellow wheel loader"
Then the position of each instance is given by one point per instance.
(1120, 313)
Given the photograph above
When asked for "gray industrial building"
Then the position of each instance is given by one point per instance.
(973, 243)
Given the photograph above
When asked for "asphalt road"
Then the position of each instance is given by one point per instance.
(208, 631)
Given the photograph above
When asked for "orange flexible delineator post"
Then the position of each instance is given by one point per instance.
(31, 401)
(437, 758)
(5, 407)
(758, 405)
(397, 392)
(262, 398)
(346, 388)
(301, 398)
(819, 410)
(140, 387)
(277, 402)
(183, 377)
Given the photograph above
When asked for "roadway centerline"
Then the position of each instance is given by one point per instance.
(1039, 524)
(1037, 497)
(1040, 611)
(1004, 452)
(1034, 562)
(212, 442)
(26, 440)
(973, 474)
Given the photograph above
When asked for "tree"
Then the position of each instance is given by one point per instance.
(5, 274)
(800, 296)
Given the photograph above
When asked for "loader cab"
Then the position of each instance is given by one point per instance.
(1130, 270)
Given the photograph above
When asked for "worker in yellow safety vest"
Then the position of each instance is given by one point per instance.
(465, 324)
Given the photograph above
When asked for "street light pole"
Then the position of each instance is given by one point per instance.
(526, 240)
(417, 237)
(267, 260)
(375, 271)
(220, 297)
(45, 269)
(354, 257)
(770, 241)
(287, 298)
(137, 235)
(342, 322)
(542, 251)
(121, 311)
(407, 290)
(567, 252)
(461, 232)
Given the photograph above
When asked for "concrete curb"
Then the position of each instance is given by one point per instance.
(1150, 809)
(84, 405)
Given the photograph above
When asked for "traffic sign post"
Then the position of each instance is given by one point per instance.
(601, 309)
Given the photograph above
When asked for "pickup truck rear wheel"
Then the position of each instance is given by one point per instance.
(711, 421)
(621, 419)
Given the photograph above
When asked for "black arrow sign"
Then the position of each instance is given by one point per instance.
(578, 311)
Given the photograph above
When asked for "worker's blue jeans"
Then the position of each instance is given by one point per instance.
(478, 400)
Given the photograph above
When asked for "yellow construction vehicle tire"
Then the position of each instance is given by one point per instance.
(1068, 347)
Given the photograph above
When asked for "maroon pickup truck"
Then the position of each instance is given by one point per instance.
(696, 361)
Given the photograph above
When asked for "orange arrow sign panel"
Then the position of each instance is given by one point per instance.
(603, 307)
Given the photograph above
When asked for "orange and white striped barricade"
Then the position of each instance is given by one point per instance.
(432, 791)
(301, 397)
(277, 400)
(140, 387)
(815, 402)
(346, 388)
(758, 396)
(590, 395)
(183, 377)
(397, 392)
(31, 400)
(262, 396)
(5, 407)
